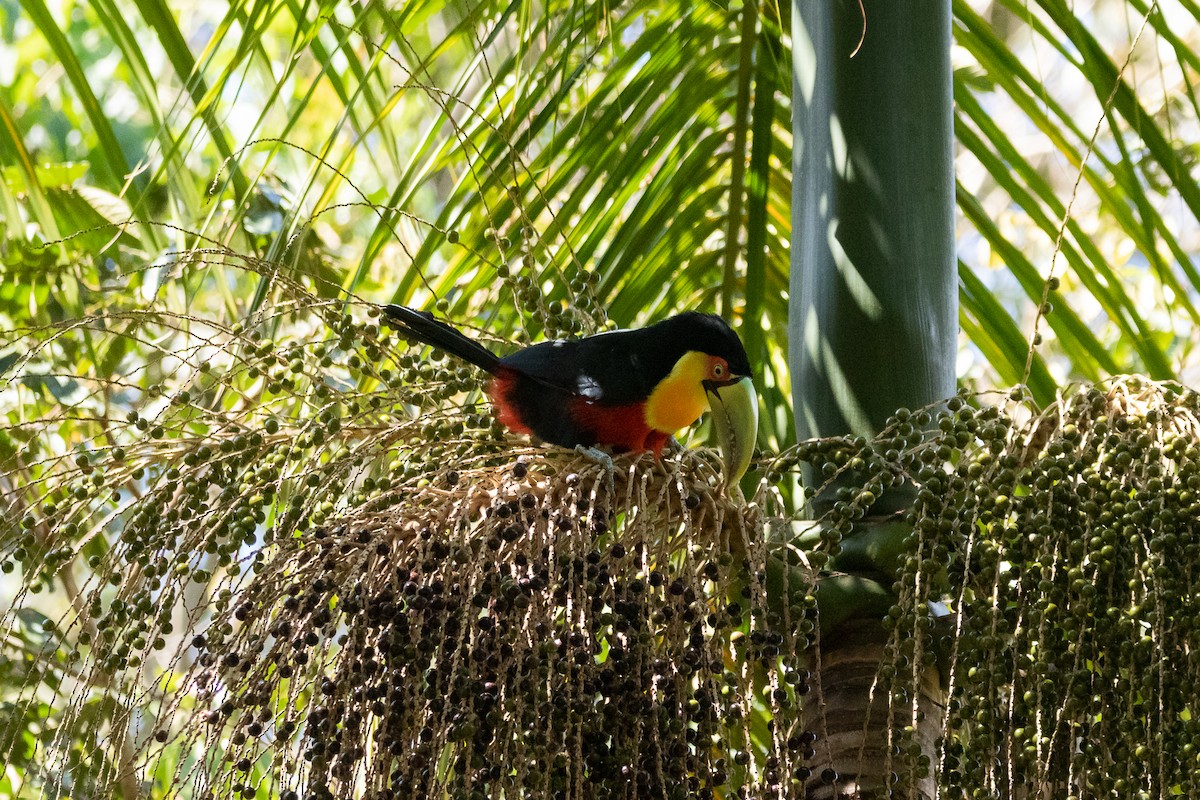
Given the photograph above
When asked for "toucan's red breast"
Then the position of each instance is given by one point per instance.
(621, 427)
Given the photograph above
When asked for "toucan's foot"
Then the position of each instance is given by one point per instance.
(673, 446)
(599, 456)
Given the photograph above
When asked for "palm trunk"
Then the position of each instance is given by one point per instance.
(874, 294)
(850, 717)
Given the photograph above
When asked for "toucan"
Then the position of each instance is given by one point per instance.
(622, 390)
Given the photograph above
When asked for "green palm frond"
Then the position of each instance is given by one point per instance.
(617, 142)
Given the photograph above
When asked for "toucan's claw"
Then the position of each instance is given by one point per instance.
(599, 456)
(735, 417)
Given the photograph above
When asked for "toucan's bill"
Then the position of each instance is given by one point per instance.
(734, 408)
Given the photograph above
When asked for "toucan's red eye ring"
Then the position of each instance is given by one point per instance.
(719, 369)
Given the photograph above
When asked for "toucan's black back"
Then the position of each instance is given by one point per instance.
(624, 366)
(609, 368)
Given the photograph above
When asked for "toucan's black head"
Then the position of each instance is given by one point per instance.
(709, 334)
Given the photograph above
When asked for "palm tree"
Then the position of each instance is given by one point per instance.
(198, 314)
(872, 306)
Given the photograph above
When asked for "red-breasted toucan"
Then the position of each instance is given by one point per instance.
(625, 390)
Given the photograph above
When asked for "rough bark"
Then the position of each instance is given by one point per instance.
(849, 713)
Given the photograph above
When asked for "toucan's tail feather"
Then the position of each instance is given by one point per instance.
(422, 326)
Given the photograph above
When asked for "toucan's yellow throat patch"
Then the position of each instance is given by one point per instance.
(679, 399)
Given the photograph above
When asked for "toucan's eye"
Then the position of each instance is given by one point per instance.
(719, 370)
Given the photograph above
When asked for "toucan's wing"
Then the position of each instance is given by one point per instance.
(609, 369)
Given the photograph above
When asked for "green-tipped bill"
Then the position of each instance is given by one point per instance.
(734, 408)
